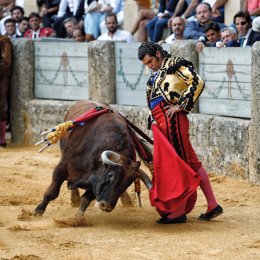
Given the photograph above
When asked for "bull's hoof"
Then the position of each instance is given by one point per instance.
(71, 186)
(38, 214)
(38, 211)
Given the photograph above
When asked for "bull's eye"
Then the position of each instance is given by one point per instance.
(110, 175)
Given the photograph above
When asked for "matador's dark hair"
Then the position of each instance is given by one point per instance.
(150, 48)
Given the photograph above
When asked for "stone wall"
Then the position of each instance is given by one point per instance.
(226, 146)
(221, 143)
(22, 89)
(254, 129)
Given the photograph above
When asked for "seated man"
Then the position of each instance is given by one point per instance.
(17, 13)
(36, 31)
(243, 22)
(119, 11)
(188, 12)
(229, 38)
(70, 25)
(10, 28)
(23, 26)
(212, 33)
(195, 29)
(177, 26)
(113, 33)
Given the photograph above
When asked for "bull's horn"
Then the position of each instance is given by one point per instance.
(146, 180)
(111, 158)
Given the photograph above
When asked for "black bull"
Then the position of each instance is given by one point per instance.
(98, 157)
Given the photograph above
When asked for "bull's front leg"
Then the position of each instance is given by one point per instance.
(59, 176)
(75, 198)
(85, 200)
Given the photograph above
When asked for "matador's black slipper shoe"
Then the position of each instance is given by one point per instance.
(212, 214)
(181, 219)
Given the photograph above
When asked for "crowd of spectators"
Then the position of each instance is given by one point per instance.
(87, 20)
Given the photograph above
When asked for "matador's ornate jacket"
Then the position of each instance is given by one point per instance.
(177, 82)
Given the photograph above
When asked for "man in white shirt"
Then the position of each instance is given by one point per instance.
(113, 33)
(17, 13)
(178, 26)
(10, 29)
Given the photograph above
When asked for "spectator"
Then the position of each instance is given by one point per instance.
(70, 25)
(17, 13)
(67, 8)
(145, 14)
(95, 15)
(219, 18)
(10, 29)
(119, 11)
(78, 36)
(243, 22)
(113, 33)
(36, 30)
(229, 38)
(177, 26)
(185, 9)
(5, 72)
(156, 26)
(195, 29)
(23, 26)
(47, 10)
(253, 7)
(212, 33)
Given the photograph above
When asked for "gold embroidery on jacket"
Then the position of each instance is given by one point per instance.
(177, 82)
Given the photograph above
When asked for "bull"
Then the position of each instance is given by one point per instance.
(99, 157)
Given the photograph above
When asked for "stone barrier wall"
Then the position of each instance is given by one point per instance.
(226, 146)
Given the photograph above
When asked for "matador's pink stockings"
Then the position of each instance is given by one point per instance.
(207, 189)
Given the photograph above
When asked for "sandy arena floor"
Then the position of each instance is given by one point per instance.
(129, 232)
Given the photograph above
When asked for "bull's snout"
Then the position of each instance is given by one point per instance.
(103, 205)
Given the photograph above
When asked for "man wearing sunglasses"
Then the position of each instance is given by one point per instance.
(243, 22)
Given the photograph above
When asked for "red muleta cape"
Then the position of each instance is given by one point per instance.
(174, 181)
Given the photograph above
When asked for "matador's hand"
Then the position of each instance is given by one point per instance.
(172, 110)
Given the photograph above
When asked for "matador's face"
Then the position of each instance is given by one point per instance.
(153, 62)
